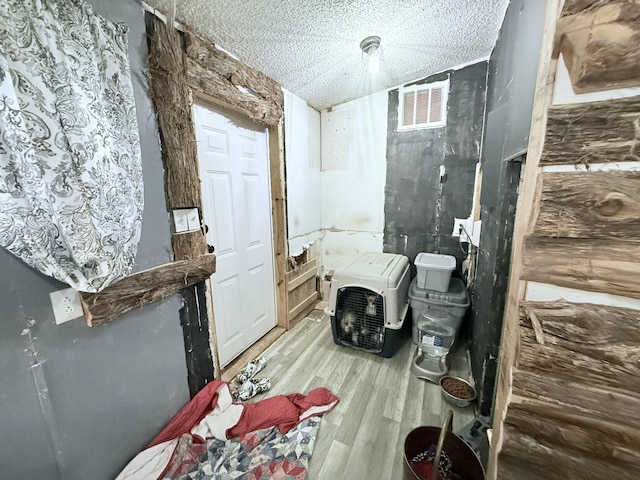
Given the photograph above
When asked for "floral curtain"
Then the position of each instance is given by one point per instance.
(70, 170)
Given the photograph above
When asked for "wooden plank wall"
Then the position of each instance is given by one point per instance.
(569, 386)
(576, 394)
(302, 288)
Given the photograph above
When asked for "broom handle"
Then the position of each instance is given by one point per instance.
(446, 427)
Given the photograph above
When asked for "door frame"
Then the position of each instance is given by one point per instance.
(275, 153)
(183, 66)
(219, 107)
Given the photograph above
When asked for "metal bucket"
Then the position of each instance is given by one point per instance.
(464, 461)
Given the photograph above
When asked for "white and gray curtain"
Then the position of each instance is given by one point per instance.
(71, 193)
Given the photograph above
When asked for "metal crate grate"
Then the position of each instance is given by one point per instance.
(360, 319)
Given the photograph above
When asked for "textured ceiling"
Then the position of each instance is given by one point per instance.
(311, 47)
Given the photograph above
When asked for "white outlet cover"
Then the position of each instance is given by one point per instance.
(181, 220)
(66, 305)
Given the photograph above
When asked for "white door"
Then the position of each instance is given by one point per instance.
(234, 173)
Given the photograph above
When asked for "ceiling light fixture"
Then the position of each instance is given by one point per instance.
(371, 53)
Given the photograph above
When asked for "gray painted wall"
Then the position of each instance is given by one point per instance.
(78, 403)
(513, 68)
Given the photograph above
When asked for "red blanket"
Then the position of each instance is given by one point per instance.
(211, 410)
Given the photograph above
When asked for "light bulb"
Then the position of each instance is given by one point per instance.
(373, 64)
(372, 53)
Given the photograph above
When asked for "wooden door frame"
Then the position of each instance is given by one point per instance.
(219, 107)
(183, 66)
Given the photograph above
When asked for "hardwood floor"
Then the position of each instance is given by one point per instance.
(380, 400)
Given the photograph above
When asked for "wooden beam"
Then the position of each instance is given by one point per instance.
(145, 287)
(611, 266)
(279, 219)
(188, 245)
(215, 73)
(594, 132)
(598, 41)
(170, 95)
(590, 205)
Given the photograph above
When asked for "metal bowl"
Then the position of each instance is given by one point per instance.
(456, 401)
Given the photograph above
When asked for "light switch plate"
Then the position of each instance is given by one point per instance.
(180, 220)
(193, 219)
(66, 305)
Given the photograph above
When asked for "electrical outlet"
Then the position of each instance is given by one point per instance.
(462, 227)
(66, 305)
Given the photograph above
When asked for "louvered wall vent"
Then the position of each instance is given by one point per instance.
(423, 106)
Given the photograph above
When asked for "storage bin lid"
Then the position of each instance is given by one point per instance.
(434, 261)
(456, 295)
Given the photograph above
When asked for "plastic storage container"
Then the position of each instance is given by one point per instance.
(434, 332)
(434, 271)
(454, 301)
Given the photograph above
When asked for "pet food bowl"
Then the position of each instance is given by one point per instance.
(456, 386)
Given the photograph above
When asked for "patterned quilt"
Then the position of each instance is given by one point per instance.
(260, 455)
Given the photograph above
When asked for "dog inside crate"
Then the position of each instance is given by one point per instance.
(360, 315)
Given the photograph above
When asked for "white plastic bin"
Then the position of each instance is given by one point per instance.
(434, 271)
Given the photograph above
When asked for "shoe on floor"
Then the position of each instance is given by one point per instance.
(253, 367)
(251, 388)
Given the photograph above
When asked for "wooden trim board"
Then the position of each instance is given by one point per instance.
(279, 220)
(142, 288)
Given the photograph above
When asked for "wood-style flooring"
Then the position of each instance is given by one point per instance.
(380, 400)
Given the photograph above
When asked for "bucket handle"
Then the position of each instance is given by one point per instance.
(446, 427)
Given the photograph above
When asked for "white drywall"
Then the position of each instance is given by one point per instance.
(354, 139)
(302, 158)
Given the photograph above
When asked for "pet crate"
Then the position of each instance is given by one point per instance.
(368, 303)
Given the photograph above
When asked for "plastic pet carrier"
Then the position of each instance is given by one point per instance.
(368, 303)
